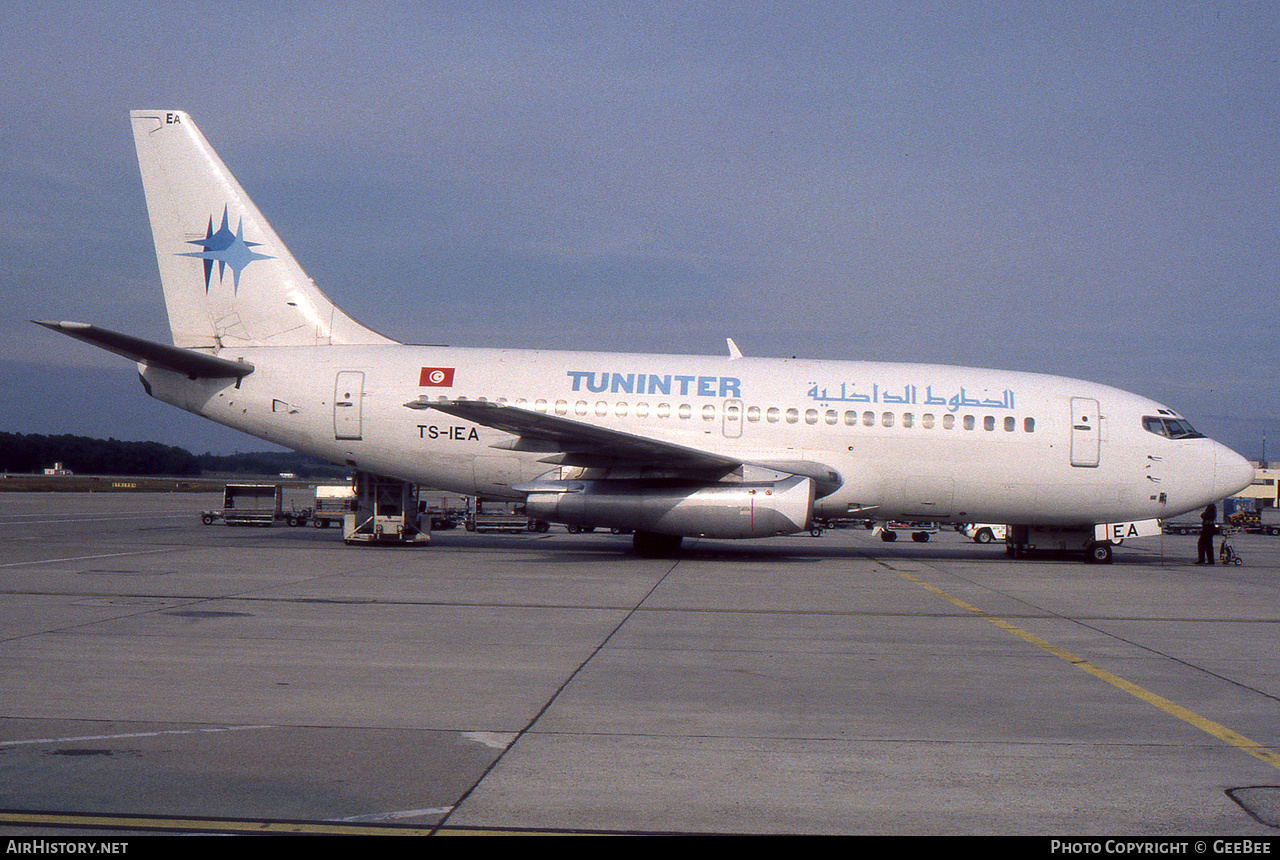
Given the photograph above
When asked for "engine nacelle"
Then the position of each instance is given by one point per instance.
(715, 511)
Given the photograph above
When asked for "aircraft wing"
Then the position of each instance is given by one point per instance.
(574, 443)
(569, 442)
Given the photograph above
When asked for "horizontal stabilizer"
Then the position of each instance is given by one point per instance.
(194, 364)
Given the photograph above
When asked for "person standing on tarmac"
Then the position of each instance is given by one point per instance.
(1208, 527)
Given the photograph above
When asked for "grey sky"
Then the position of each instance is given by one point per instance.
(1087, 189)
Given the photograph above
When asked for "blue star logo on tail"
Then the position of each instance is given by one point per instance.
(226, 249)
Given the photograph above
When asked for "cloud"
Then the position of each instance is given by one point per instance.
(1088, 190)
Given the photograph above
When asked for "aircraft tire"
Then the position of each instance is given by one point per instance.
(650, 545)
(1098, 553)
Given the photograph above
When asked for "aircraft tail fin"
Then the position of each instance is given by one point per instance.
(228, 279)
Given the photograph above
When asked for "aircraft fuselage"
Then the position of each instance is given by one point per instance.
(907, 441)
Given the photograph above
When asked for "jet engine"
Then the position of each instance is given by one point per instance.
(714, 510)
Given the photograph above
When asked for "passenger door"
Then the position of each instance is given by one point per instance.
(1086, 435)
(348, 405)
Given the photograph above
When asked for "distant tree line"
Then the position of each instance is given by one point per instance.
(85, 456)
(271, 463)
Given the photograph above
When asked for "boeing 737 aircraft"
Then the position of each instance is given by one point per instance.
(665, 445)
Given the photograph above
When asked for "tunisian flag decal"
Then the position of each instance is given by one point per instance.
(436, 377)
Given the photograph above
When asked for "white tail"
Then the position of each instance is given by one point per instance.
(228, 279)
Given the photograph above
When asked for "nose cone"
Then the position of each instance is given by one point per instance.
(1231, 472)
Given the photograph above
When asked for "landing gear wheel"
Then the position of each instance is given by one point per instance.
(1098, 553)
(650, 545)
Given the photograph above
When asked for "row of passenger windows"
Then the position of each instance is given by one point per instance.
(777, 414)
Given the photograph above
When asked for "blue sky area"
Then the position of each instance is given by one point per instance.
(1086, 189)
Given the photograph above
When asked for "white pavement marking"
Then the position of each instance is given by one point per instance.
(132, 735)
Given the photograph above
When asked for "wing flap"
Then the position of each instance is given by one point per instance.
(568, 441)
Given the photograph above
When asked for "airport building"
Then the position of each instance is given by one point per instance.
(1265, 487)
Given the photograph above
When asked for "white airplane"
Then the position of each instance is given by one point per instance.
(667, 446)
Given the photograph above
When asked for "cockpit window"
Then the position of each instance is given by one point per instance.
(1172, 428)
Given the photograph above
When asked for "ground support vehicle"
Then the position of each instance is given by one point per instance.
(1268, 522)
(443, 518)
(1096, 541)
(920, 532)
(298, 517)
(387, 512)
(984, 532)
(1023, 540)
(843, 523)
(821, 524)
(1226, 551)
(249, 505)
(499, 515)
(1265, 521)
(333, 502)
(446, 510)
(1182, 527)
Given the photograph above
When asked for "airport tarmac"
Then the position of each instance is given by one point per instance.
(159, 675)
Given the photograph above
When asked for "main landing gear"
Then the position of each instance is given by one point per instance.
(650, 545)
